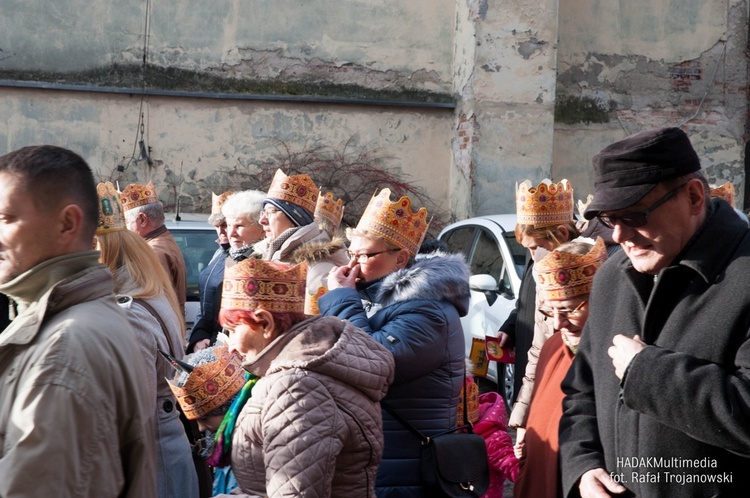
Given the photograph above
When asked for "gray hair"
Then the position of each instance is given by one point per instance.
(246, 204)
(153, 211)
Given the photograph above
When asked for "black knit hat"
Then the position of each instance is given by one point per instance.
(629, 169)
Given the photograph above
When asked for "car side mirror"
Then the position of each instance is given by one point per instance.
(483, 283)
(486, 284)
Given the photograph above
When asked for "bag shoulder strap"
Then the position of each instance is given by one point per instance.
(164, 329)
(403, 421)
(426, 439)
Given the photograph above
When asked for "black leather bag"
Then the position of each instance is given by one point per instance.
(452, 464)
(455, 465)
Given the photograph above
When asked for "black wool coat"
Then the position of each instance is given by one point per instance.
(679, 422)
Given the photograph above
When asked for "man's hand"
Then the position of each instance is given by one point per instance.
(503, 338)
(597, 483)
(622, 352)
(343, 276)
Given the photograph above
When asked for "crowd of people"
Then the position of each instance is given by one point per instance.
(631, 332)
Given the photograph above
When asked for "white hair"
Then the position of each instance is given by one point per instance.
(246, 204)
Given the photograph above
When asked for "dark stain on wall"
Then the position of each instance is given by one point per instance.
(175, 79)
(572, 110)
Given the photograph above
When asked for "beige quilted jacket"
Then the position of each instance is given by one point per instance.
(312, 427)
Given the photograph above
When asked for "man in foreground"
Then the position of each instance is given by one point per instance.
(658, 398)
(73, 417)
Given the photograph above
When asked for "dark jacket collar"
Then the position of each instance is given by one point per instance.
(155, 233)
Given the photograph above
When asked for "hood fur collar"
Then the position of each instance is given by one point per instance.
(436, 276)
(318, 249)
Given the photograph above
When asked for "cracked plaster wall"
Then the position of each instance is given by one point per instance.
(200, 141)
(370, 48)
(377, 44)
(649, 64)
(507, 94)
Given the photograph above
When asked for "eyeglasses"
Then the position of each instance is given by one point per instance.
(635, 220)
(268, 212)
(362, 258)
(562, 313)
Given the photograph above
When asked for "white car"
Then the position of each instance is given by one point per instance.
(497, 263)
(197, 240)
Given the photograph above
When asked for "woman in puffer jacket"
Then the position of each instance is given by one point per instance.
(413, 308)
(307, 423)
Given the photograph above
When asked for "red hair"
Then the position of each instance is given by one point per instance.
(282, 321)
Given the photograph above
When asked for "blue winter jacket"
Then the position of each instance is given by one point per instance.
(210, 282)
(415, 313)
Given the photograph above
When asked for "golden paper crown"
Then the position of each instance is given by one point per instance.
(111, 215)
(297, 189)
(725, 192)
(273, 286)
(547, 204)
(395, 222)
(329, 211)
(218, 200)
(210, 385)
(583, 205)
(564, 275)
(136, 195)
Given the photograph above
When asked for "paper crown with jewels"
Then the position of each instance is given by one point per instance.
(545, 205)
(583, 205)
(136, 195)
(564, 275)
(273, 286)
(395, 222)
(218, 200)
(111, 214)
(329, 210)
(216, 217)
(297, 189)
(210, 385)
(725, 191)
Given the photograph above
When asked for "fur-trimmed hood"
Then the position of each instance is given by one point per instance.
(436, 276)
(320, 249)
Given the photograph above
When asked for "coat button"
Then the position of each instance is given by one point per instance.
(168, 406)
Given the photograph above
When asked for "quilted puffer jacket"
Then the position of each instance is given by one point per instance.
(415, 313)
(312, 426)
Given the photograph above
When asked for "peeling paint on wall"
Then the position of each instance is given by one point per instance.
(684, 74)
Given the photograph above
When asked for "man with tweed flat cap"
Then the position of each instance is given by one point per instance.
(658, 399)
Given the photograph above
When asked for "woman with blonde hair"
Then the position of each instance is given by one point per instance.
(146, 294)
(544, 221)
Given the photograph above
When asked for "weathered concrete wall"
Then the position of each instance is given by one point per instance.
(200, 140)
(524, 108)
(507, 92)
(631, 66)
(362, 47)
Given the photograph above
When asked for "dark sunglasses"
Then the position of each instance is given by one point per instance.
(635, 220)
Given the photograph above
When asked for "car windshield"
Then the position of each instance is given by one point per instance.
(517, 251)
(197, 247)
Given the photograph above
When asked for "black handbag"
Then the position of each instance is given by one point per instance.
(452, 464)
